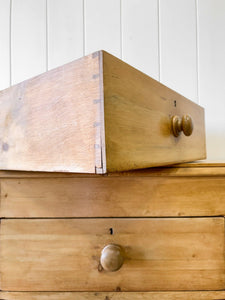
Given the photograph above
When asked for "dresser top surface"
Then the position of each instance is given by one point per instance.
(197, 168)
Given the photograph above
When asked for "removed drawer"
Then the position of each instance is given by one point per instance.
(94, 115)
(150, 254)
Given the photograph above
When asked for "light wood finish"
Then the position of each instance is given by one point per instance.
(184, 124)
(56, 121)
(138, 112)
(111, 259)
(51, 122)
(195, 169)
(213, 295)
(124, 196)
(160, 254)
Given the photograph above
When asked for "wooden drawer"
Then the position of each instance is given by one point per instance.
(167, 192)
(162, 254)
(94, 115)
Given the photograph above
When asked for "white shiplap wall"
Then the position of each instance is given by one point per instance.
(178, 42)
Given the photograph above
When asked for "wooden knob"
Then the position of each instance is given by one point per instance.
(111, 258)
(185, 124)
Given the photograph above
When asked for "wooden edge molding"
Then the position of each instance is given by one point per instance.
(198, 168)
(202, 295)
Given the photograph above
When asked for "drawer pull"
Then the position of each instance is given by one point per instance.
(184, 124)
(111, 258)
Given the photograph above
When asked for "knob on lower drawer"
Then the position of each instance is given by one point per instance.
(112, 258)
(184, 124)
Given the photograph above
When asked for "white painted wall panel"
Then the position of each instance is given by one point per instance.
(4, 44)
(65, 31)
(102, 26)
(211, 23)
(28, 38)
(178, 50)
(140, 35)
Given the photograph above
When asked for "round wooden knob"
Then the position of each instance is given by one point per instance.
(185, 124)
(111, 258)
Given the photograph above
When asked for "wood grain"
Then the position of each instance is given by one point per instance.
(138, 112)
(160, 254)
(56, 121)
(112, 197)
(212, 295)
(42, 123)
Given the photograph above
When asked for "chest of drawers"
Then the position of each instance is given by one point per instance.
(149, 234)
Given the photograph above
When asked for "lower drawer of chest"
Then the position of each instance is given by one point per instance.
(158, 254)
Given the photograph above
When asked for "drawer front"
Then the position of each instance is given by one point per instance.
(97, 115)
(114, 296)
(138, 111)
(159, 254)
(122, 196)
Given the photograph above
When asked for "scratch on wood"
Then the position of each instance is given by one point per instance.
(97, 124)
(95, 54)
(94, 76)
(95, 101)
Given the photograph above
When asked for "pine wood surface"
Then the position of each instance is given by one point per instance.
(51, 122)
(193, 169)
(93, 115)
(160, 254)
(125, 196)
(212, 295)
(138, 111)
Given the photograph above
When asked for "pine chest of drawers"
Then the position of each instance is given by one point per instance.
(149, 234)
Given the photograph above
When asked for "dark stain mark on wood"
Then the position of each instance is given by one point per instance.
(96, 124)
(95, 76)
(95, 101)
(5, 147)
(95, 54)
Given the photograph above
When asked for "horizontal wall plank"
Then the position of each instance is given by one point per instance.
(159, 254)
(28, 39)
(65, 31)
(112, 197)
(114, 296)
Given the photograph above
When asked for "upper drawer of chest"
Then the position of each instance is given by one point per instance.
(94, 115)
(150, 254)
